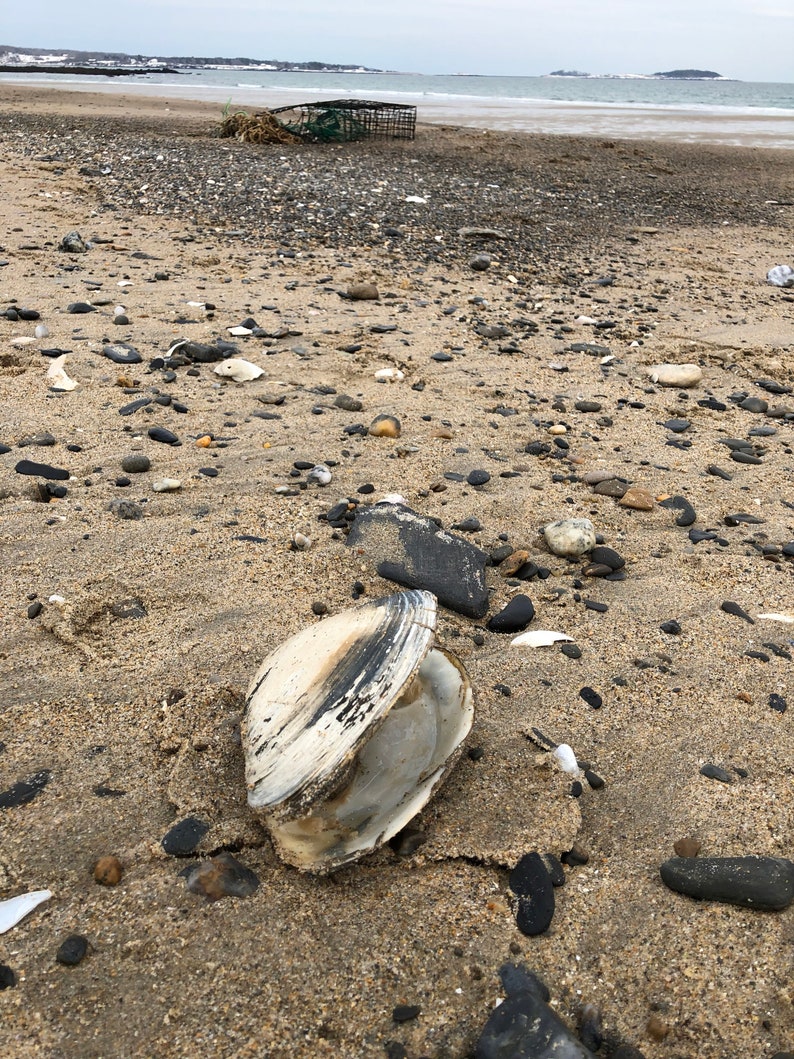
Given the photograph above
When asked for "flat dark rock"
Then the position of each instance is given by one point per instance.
(679, 503)
(531, 883)
(518, 613)
(764, 883)
(72, 950)
(42, 470)
(161, 434)
(736, 611)
(25, 790)
(524, 1027)
(184, 837)
(413, 551)
(122, 353)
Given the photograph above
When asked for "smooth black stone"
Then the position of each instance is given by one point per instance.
(7, 977)
(208, 472)
(742, 518)
(184, 837)
(592, 604)
(478, 477)
(136, 464)
(414, 552)
(406, 1012)
(591, 348)
(757, 654)
(4, 449)
(754, 404)
(594, 780)
(608, 556)
(79, 308)
(591, 697)
(35, 609)
(713, 404)
(167, 437)
(383, 329)
(537, 448)
(42, 470)
(588, 406)
(468, 525)
(571, 650)
(672, 627)
(518, 613)
(697, 536)
(442, 357)
(719, 473)
(523, 879)
(576, 789)
(530, 882)
(740, 456)
(72, 950)
(788, 549)
(764, 883)
(524, 1027)
(677, 426)
(133, 406)
(44, 440)
(596, 570)
(734, 609)
(101, 791)
(714, 772)
(777, 703)
(679, 503)
(25, 790)
(122, 353)
(498, 555)
(251, 538)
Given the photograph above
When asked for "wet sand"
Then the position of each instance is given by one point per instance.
(131, 678)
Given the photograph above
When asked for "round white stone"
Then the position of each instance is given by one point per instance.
(570, 537)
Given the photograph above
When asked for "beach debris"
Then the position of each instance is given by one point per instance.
(349, 728)
(238, 369)
(15, 909)
(680, 375)
(411, 550)
(21, 341)
(59, 380)
(300, 542)
(73, 243)
(41, 331)
(417, 199)
(343, 120)
(787, 618)
(570, 537)
(523, 1026)
(167, 485)
(781, 276)
(765, 883)
(221, 876)
(539, 638)
(261, 127)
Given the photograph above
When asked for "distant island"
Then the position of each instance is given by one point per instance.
(667, 75)
(691, 75)
(14, 59)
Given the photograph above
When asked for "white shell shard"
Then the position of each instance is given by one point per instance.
(59, 380)
(389, 375)
(350, 726)
(539, 638)
(16, 908)
(566, 759)
(787, 618)
(320, 473)
(238, 369)
(239, 331)
(167, 485)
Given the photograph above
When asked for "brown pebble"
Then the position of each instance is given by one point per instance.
(744, 696)
(385, 427)
(637, 499)
(513, 563)
(362, 292)
(657, 1028)
(687, 847)
(444, 433)
(107, 871)
(204, 442)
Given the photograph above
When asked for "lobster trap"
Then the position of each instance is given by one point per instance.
(341, 120)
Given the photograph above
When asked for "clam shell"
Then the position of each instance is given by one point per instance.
(350, 726)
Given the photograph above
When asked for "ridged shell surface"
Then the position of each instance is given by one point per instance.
(319, 697)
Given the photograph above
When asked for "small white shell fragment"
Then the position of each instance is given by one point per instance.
(176, 346)
(787, 618)
(570, 536)
(41, 331)
(16, 908)
(566, 759)
(239, 332)
(300, 542)
(22, 340)
(389, 375)
(124, 283)
(238, 369)
(349, 728)
(415, 198)
(585, 320)
(393, 498)
(320, 473)
(57, 599)
(59, 380)
(539, 638)
(196, 305)
(119, 310)
(684, 375)
(167, 485)
(607, 359)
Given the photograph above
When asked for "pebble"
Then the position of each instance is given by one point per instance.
(607, 557)
(183, 838)
(679, 375)
(777, 703)
(588, 406)
(7, 977)
(637, 499)
(136, 464)
(73, 243)
(72, 950)
(42, 470)
(687, 847)
(126, 510)
(687, 513)
(385, 426)
(571, 650)
(672, 627)
(164, 436)
(736, 611)
(108, 871)
(24, 791)
(714, 772)
(591, 697)
(677, 426)
(570, 537)
(764, 883)
(480, 262)
(531, 883)
(406, 1012)
(613, 487)
(363, 292)
(478, 477)
(80, 308)
(221, 876)
(349, 404)
(518, 613)
(166, 485)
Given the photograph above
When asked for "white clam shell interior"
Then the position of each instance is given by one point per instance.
(349, 727)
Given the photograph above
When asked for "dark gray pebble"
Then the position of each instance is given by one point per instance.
(406, 1012)
(42, 470)
(183, 838)
(613, 487)
(122, 353)
(350, 404)
(608, 557)
(764, 883)
(72, 950)
(136, 464)
(208, 472)
(80, 308)
(480, 262)
(714, 772)
(754, 404)
(24, 791)
(530, 882)
(742, 517)
(468, 525)
(593, 779)
(593, 604)
(672, 627)
(73, 243)
(741, 456)
(133, 406)
(126, 510)
(478, 477)
(588, 406)
(734, 609)
(718, 472)
(679, 503)
(7, 977)
(35, 609)
(677, 426)
(777, 703)
(518, 613)
(591, 697)
(167, 437)
(571, 650)
(442, 357)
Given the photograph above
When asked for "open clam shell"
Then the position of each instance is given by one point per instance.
(349, 727)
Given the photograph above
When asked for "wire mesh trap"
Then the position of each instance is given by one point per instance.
(340, 120)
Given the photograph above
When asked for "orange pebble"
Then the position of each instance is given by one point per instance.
(204, 442)
(108, 871)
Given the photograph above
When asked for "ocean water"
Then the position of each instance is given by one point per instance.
(729, 112)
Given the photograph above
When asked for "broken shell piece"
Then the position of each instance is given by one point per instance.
(59, 380)
(16, 908)
(389, 375)
(238, 369)
(320, 473)
(239, 331)
(349, 728)
(539, 638)
(566, 759)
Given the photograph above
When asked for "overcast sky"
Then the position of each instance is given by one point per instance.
(752, 40)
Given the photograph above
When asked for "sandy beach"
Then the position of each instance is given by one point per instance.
(135, 618)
